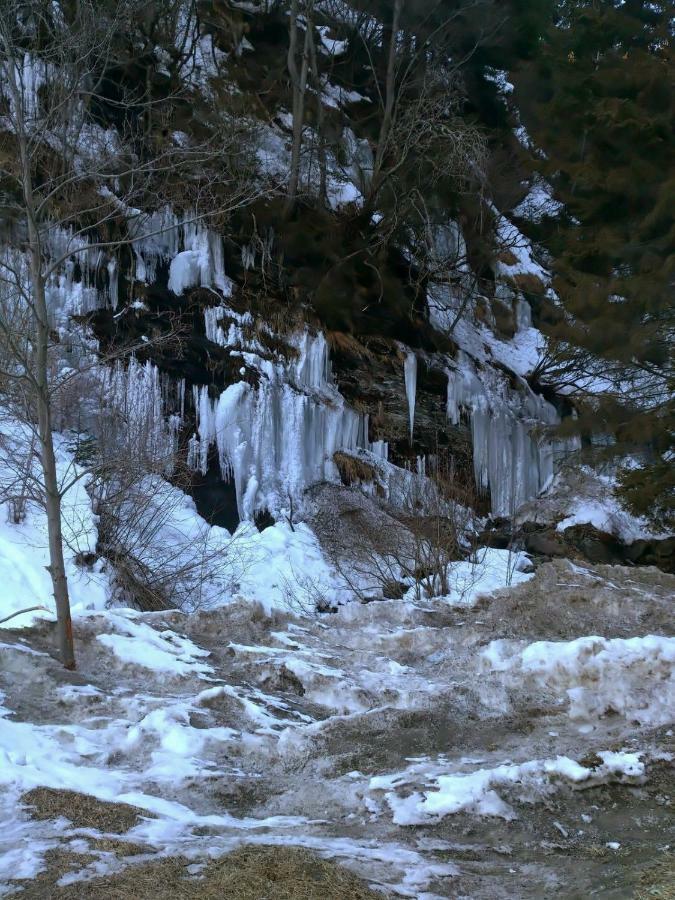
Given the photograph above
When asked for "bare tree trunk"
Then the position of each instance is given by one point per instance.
(56, 568)
(299, 84)
(321, 137)
(389, 96)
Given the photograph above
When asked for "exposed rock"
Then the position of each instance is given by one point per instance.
(545, 543)
(660, 553)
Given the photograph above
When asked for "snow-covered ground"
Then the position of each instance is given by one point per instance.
(483, 750)
(580, 495)
(454, 746)
(23, 546)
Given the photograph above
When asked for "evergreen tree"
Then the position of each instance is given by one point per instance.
(605, 120)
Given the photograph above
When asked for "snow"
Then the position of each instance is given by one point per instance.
(344, 170)
(539, 202)
(522, 352)
(512, 240)
(630, 677)
(499, 77)
(336, 96)
(489, 570)
(605, 512)
(24, 554)
(331, 46)
(164, 723)
(285, 568)
(476, 791)
(164, 651)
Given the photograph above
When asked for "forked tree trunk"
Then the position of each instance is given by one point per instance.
(389, 98)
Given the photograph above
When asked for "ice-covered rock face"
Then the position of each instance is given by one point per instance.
(510, 460)
(276, 439)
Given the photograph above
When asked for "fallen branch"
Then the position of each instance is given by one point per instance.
(20, 612)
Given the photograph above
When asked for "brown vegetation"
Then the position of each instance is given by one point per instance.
(353, 470)
(83, 810)
(250, 873)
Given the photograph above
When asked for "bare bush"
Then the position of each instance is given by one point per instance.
(381, 550)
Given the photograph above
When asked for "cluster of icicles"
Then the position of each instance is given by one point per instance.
(275, 439)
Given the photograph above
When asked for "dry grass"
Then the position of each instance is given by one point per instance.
(507, 257)
(250, 873)
(658, 882)
(529, 283)
(347, 344)
(353, 470)
(83, 810)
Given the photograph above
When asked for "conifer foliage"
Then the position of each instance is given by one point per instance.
(605, 117)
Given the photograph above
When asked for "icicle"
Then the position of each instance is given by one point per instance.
(135, 396)
(523, 315)
(410, 373)
(380, 449)
(312, 367)
(276, 439)
(509, 460)
(112, 282)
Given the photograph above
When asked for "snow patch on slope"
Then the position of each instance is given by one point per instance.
(24, 554)
(476, 791)
(631, 677)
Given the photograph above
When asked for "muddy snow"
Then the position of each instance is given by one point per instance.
(517, 747)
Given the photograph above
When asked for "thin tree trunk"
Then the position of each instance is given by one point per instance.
(323, 173)
(56, 568)
(299, 83)
(389, 97)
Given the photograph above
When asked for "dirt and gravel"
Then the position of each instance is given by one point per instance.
(242, 778)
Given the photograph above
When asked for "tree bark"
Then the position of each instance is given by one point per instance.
(299, 84)
(57, 567)
(389, 98)
(43, 400)
(320, 131)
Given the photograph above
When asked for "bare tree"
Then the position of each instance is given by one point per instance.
(298, 78)
(418, 98)
(75, 190)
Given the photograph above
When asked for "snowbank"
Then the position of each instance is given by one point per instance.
(605, 512)
(489, 571)
(633, 677)
(24, 554)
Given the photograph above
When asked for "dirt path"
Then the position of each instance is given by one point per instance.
(424, 747)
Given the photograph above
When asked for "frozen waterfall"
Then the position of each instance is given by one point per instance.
(277, 438)
(509, 460)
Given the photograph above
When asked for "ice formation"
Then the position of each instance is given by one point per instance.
(135, 400)
(193, 252)
(410, 372)
(276, 439)
(509, 460)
